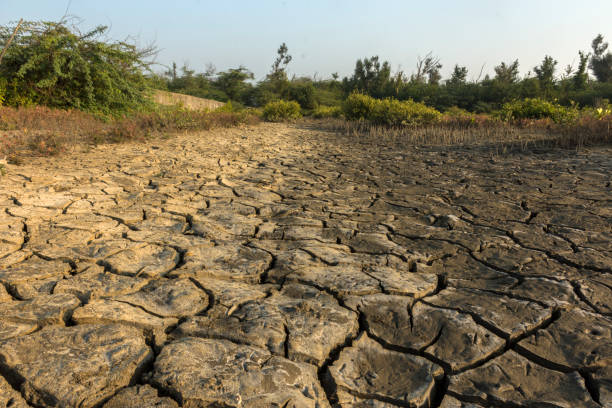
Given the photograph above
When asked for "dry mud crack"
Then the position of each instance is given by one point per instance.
(281, 266)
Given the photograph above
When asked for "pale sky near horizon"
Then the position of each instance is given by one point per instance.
(329, 36)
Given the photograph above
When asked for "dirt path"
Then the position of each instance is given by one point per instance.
(282, 266)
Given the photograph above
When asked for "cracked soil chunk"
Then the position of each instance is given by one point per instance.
(223, 225)
(464, 271)
(34, 276)
(94, 283)
(511, 378)
(106, 311)
(579, 339)
(301, 322)
(43, 310)
(169, 298)
(140, 396)
(450, 402)
(511, 317)
(369, 371)
(230, 261)
(206, 372)
(230, 294)
(598, 291)
(447, 335)
(75, 366)
(603, 382)
(352, 280)
(148, 260)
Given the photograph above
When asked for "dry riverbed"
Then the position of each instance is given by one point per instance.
(281, 266)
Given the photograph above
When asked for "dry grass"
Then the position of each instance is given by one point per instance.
(37, 131)
(479, 130)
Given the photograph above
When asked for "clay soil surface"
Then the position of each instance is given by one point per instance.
(282, 266)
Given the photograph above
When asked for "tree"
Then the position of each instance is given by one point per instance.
(545, 72)
(171, 72)
(459, 76)
(427, 67)
(53, 64)
(434, 75)
(507, 73)
(370, 77)
(279, 67)
(601, 61)
(233, 82)
(581, 76)
(210, 71)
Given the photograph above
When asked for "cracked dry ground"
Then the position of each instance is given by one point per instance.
(280, 266)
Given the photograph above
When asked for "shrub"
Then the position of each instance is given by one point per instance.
(323, 112)
(279, 111)
(229, 107)
(53, 64)
(390, 112)
(255, 112)
(2, 91)
(534, 108)
(358, 106)
(456, 112)
(304, 94)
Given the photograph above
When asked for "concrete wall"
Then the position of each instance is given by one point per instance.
(187, 101)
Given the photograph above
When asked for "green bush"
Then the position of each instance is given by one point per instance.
(322, 112)
(53, 64)
(304, 94)
(456, 112)
(390, 112)
(534, 108)
(358, 106)
(280, 111)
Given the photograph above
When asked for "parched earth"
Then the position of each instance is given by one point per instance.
(281, 266)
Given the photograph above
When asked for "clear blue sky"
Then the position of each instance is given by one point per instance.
(329, 36)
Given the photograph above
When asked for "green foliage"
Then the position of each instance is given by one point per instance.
(280, 111)
(601, 61)
(322, 112)
(327, 94)
(459, 76)
(358, 106)
(580, 77)
(232, 82)
(374, 77)
(370, 77)
(545, 72)
(2, 91)
(456, 112)
(55, 65)
(507, 73)
(279, 67)
(228, 107)
(391, 112)
(304, 94)
(534, 108)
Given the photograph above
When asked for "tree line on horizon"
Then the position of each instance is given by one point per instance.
(587, 84)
